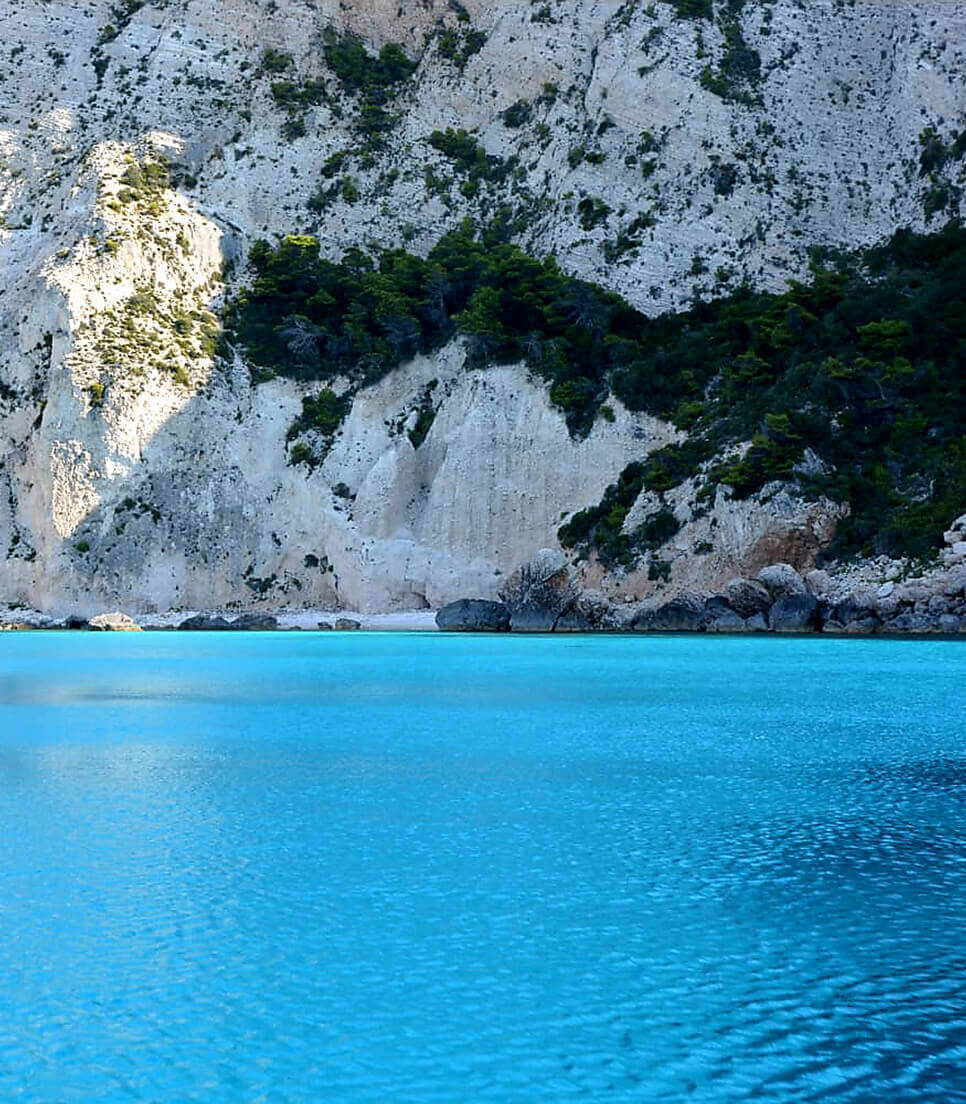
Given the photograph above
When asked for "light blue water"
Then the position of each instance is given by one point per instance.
(291, 868)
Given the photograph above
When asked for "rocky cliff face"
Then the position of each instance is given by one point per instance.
(145, 145)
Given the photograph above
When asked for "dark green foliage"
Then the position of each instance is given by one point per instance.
(276, 61)
(939, 198)
(600, 527)
(738, 73)
(517, 115)
(630, 238)
(864, 366)
(592, 211)
(659, 570)
(933, 155)
(323, 415)
(425, 417)
(460, 45)
(358, 71)
(692, 9)
(334, 164)
(314, 319)
(149, 179)
(375, 79)
(470, 158)
(293, 128)
(724, 177)
(672, 464)
(289, 94)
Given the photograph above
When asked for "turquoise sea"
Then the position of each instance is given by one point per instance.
(416, 868)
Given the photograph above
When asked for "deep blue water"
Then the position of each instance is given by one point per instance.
(365, 867)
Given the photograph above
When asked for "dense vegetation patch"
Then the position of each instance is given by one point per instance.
(322, 417)
(312, 318)
(850, 385)
(601, 527)
(374, 79)
(470, 158)
(358, 71)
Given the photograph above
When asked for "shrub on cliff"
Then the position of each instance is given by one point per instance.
(861, 366)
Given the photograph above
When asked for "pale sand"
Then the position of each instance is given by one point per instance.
(408, 621)
(306, 620)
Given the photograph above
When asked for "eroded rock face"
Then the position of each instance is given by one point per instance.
(726, 621)
(473, 615)
(793, 613)
(781, 580)
(685, 613)
(255, 622)
(747, 597)
(205, 623)
(137, 471)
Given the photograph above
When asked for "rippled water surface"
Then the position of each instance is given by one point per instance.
(398, 868)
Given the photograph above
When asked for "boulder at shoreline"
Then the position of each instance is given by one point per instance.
(473, 615)
(113, 622)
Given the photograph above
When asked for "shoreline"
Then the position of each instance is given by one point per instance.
(286, 620)
(421, 621)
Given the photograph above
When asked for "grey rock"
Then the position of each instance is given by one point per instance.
(574, 620)
(756, 623)
(851, 610)
(954, 583)
(949, 623)
(863, 627)
(593, 607)
(114, 622)
(910, 623)
(818, 581)
(686, 613)
(717, 604)
(887, 608)
(473, 615)
(347, 624)
(794, 613)
(255, 622)
(77, 623)
(747, 597)
(203, 622)
(782, 581)
(534, 617)
(324, 626)
(547, 563)
(937, 604)
(727, 621)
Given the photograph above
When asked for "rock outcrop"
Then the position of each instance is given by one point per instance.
(113, 622)
(793, 613)
(473, 615)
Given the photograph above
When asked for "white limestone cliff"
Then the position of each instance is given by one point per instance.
(137, 471)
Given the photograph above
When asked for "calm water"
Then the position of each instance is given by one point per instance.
(291, 868)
